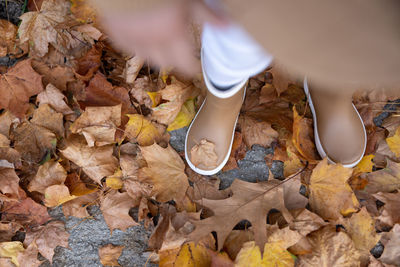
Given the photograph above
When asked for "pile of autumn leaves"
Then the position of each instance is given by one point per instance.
(84, 125)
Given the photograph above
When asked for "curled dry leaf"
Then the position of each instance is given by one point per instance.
(165, 171)
(17, 86)
(250, 201)
(115, 207)
(142, 130)
(8, 32)
(46, 117)
(257, 132)
(47, 238)
(50, 173)
(361, 228)
(96, 162)
(33, 141)
(391, 253)
(98, 124)
(203, 155)
(77, 207)
(132, 68)
(56, 195)
(385, 180)
(330, 248)
(52, 96)
(303, 137)
(9, 183)
(390, 213)
(26, 212)
(330, 195)
(109, 254)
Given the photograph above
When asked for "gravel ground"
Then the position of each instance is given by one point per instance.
(86, 236)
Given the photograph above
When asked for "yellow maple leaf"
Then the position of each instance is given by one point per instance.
(11, 250)
(114, 181)
(330, 194)
(188, 255)
(365, 165)
(56, 195)
(394, 142)
(184, 117)
(141, 129)
(275, 255)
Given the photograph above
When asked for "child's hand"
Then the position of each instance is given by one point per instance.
(160, 34)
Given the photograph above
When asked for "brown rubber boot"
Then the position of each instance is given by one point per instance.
(215, 122)
(339, 131)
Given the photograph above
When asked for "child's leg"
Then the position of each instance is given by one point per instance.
(230, 55)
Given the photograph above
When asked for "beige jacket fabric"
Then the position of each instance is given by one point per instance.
(337, 43)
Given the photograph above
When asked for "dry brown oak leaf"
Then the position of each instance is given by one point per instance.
(96, 162)
(109, 254)
(385, 180)
(250, 201)
(98, 124)
(203, 155)
(165, 171)
(330, 194)
(115, 207)
(330, 248)
(47, 238)
(17, 86)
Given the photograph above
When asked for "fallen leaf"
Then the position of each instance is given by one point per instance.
(166, 172)
(293, 164)
(8, 32)
(280, 78)
(220, 259)
(394, 142)
(59, 76)
(390, 213)
(96, 162)
(305, 221)
(115, 207)
(84, 11)
(109, 254)
(132, 68)
(50, 173)
(29, 256)
(33, 142)
(9, 183)
(100, 92)
(250, 201)
(385, 180)
(7, 119)
(361, 229)
(184, 117)
(190, 254)
(330, 195)
(292, 197)
(89, 64)
(142, 130)
(267, 94)
(274, 255)
(257, 132)
(47, 238)
(52, 96)
(17, 86)
(8, 230)
(26, 212)
(330, 248)
(203, 155)
(98, 125)
(235, 240)
(48, 118)
(238, 152)
(303, 137)
(365, 165)
(56, 195)
(114, 181)
(391, 253)
(10, 250)
(176, 94)
(77, 207)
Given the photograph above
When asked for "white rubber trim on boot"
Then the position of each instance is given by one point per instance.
(318, 144)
